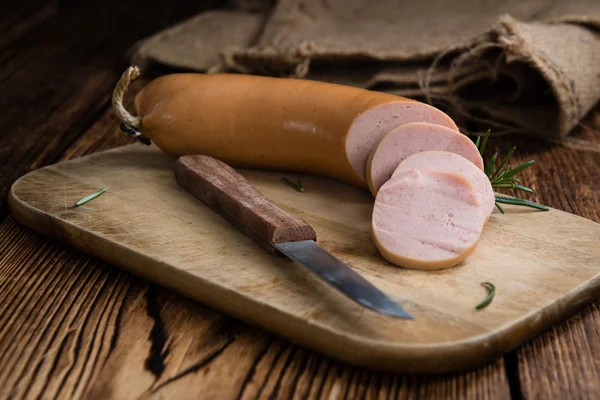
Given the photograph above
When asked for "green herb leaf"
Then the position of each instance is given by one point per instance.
(491, 293)
(520, 202)
(500, 177)
(91, 197)
(503, 163)
(511, 180)
(518, 169)
(499, 208)
(507, 185)
(298, 186)
(490, 166)
(522, 188)
(481, 144)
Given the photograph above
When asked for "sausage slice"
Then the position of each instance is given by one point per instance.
(427, 219)
(412, 138)
(370, 127)
(446, 161)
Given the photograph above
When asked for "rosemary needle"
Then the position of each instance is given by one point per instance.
(481, 144)
(520, 202)
(298, 186)
(491, 292)
(498, 207)
(91, 197)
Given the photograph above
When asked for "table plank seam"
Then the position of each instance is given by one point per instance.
(511, 370)
(202, 363)
(155, 363)
(78, 332)
(273, 364)
(252, 370)
(286, 365)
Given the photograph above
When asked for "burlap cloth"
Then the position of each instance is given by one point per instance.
(529, 66)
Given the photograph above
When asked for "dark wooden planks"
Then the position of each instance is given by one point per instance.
(59, 64)
(563, 362)
(286, 371)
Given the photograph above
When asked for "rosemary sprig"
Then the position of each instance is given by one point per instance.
(91, 197)
(491, 292)
(503, 176)
(520, 202)
(297, 186)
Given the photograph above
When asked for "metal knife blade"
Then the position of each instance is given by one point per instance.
(341, 277)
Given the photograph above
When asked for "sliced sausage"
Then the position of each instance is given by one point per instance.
(413, 138)
(274, 123)
(445, 161)
(427, 219)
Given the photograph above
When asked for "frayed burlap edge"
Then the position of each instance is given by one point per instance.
(513, 48)
(504, 37)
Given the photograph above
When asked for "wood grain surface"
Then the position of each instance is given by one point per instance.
(150, 226)
(59, 64)
(561, 363)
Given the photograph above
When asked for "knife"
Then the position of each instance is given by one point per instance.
(228, 193)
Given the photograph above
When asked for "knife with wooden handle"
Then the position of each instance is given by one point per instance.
(228, 193)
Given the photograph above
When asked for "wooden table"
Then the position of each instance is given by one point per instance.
(74, 327)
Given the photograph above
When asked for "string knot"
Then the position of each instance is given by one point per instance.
(130, 124)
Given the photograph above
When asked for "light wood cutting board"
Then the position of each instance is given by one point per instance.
(545, 265)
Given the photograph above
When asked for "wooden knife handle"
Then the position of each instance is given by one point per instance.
(227, 192)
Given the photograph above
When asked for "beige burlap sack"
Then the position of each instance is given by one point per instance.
(529, 66)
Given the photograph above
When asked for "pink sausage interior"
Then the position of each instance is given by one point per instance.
(427, 220)
(445, 161)
(412, 138)
(369, 127)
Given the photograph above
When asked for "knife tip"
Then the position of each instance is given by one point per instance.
(400, 313)
(388, 308)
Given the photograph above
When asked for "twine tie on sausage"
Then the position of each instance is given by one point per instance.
(130, 124)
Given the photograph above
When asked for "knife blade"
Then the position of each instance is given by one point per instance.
(228, 193)
(341, 277)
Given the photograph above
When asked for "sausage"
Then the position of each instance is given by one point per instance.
(446, 161)
(412, 138)
(274, 123)
(427, 219)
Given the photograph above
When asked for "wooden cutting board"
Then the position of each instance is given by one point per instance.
(545, 265)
